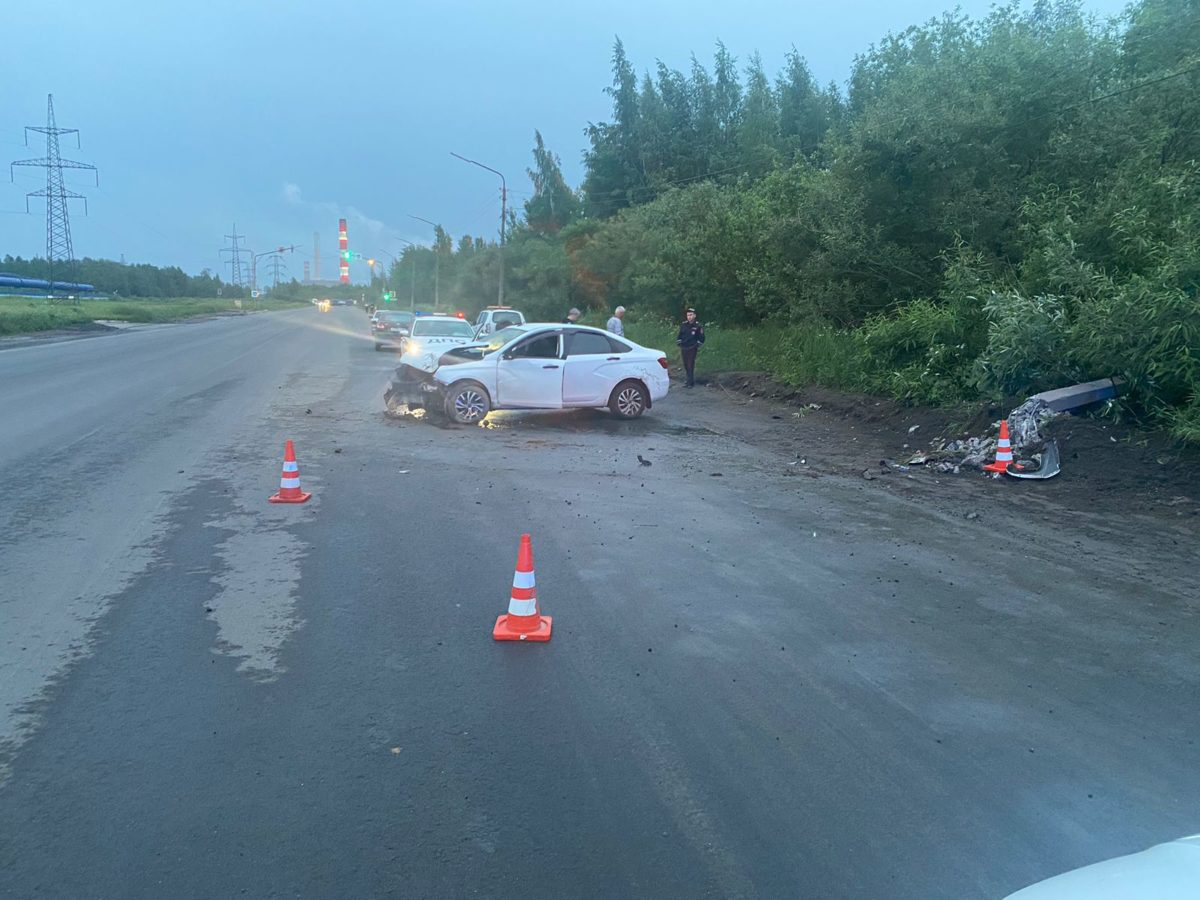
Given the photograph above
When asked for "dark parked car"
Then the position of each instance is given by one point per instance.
(391, 327)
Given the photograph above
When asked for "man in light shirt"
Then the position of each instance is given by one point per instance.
(614, 324)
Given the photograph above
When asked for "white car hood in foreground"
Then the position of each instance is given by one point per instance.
(1164, 872)
(423, 353)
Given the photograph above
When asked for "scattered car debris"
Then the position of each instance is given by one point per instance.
(973, 453)
(644, 462)
(1026, 421)
(1048, 465)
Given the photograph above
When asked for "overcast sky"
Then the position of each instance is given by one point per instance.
(283, 116)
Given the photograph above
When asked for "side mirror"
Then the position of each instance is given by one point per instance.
(507, 356)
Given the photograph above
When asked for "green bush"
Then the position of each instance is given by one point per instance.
(924, 352)
(1185, 422)
(1027, 348)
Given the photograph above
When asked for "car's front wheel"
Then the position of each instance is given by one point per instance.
(467, 403)
(629, 400)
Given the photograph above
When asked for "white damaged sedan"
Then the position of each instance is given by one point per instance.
(547, 367)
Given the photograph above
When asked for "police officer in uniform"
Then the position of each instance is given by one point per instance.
(690, 339)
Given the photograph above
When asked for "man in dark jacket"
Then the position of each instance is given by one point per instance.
(690, 339)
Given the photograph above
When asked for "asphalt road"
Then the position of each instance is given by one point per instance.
(758, 685)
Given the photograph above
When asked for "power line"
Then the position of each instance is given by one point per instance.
(1126, 39)
(234, 249)
(59, 249)
(277, 265)
(1148, 82)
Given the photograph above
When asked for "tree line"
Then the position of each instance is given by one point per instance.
(136, 280)
(988, 206)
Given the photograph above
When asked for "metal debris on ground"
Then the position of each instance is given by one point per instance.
(1026, 426)
(1026, 421)
(970, 453)
(1047, 464)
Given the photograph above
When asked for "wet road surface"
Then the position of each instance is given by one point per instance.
(758, 685)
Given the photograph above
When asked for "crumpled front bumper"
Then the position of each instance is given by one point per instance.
(412, 388)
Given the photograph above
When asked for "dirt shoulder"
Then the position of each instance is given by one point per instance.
(1108, 468)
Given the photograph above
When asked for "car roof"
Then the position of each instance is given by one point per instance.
(566, 326)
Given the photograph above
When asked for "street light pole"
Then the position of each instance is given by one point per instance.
(412, 288)
(503, 217)
(387, 276)
(254, 263)
(437, 260)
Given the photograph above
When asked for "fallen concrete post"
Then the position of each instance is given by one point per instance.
(1077, 395)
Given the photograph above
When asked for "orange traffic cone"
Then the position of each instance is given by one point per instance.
(1003, 451)
(289, 481)
(523, 622)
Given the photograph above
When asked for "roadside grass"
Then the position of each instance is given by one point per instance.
(25, 315)
(795, 355)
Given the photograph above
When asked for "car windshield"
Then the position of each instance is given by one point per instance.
(396, 318)
(503, 336)
(443, 328)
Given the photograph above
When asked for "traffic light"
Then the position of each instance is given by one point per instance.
(346, 255)
(387, 296)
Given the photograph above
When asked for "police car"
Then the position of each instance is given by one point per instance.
(495, 318)
(429, 337)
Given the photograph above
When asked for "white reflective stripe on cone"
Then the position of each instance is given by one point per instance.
(291, 467)
(289, 482)
(522, 607)
(523, 580)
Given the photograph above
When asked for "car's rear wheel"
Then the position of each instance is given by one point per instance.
(629, 400)
(467, 403)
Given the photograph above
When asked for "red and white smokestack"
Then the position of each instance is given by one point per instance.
(343, 253)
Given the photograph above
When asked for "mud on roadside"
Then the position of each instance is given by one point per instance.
(1107, 467)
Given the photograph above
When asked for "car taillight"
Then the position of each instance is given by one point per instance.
(662, 361)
